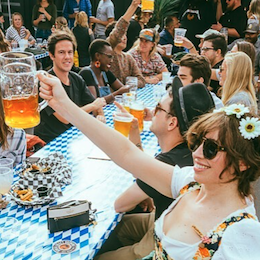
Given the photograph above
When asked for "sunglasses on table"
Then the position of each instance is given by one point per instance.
(210, 146)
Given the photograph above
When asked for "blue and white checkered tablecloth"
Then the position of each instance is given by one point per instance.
(42, 55)
(98, 181)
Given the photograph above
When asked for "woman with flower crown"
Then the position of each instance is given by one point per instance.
(213, 216)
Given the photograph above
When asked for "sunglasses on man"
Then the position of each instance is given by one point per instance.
(210, 146)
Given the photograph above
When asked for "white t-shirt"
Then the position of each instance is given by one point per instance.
(240, 241)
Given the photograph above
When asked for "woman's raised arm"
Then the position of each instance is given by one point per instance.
(115, 145)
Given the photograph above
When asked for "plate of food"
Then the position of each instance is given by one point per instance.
(31, 196)
(31, 170)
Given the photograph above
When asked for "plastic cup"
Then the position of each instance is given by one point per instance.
(8, 227)
(166, 77)
(224, 31)
(7, 162)
(128, 98)
(122, 122)
(168, 49)
(178, 34)
(137, 110)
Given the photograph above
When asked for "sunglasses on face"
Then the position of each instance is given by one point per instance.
(108, 55)
(221, 68)
(210, 146)
(158, 108)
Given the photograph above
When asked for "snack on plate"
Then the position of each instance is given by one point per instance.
(25, 195)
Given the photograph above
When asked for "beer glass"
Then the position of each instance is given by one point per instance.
(137, 110)
(122, 122)
(178, 34)
(6, 180)
(128, 98)
(147, 6)
(133, 83)
(19, 87)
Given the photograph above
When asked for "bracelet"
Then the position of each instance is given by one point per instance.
(191, 48)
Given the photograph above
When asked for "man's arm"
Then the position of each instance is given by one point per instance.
(130, 199)
(105, 23)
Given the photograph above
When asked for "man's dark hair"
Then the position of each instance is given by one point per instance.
(57, 37)
(218, 42)
(1, 14)
(109, 28)
(199, 66)
(169, 19)
(97, 46)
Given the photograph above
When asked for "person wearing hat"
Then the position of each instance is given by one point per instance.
(251, 35)
(172, 117)
(190, 46)
(148, 60)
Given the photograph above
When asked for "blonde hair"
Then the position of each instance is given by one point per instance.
(254, 9)
(62, 26)
(156, 40)
(239, 77)
(81, 19)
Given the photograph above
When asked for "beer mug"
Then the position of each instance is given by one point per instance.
(19, 88)
(147, 6)
(122, 122)
(137, 110)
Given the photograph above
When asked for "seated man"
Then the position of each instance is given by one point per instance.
(61, 50)
(169, 126)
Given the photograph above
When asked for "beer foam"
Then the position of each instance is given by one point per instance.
(122, 118)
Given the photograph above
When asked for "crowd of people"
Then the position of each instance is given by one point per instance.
(207, 124)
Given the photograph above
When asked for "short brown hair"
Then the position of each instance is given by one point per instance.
(57, 37)
(199, 65)
(237, 148)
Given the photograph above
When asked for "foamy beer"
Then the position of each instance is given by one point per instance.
(19, 87)
(178, 34)
(122, 122)
(137, 110)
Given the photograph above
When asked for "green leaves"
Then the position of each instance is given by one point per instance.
(164, 8)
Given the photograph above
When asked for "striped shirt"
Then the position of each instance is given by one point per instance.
(16, 147)
(12, 34)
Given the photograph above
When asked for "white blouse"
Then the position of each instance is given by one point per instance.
(240, 241)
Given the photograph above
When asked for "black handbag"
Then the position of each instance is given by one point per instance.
(69, 214)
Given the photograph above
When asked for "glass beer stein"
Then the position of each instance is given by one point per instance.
(19, 87)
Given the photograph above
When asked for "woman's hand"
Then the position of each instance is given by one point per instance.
(42, 10)
(99, 103)
(52, 90)
(151, 80)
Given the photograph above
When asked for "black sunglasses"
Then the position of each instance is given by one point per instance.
(158, 108)
(108, 55)
(210, 146)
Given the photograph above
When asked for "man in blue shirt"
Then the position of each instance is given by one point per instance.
(72, 7)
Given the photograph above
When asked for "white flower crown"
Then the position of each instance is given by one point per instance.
(249, 127)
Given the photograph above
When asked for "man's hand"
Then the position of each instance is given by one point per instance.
(147, 205)
(217, 26)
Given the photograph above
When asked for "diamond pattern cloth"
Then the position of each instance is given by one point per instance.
(98, 181)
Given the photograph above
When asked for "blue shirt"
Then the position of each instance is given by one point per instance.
(166, 38)
(68, 8)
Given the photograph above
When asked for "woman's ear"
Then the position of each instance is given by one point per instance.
(242, 166)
